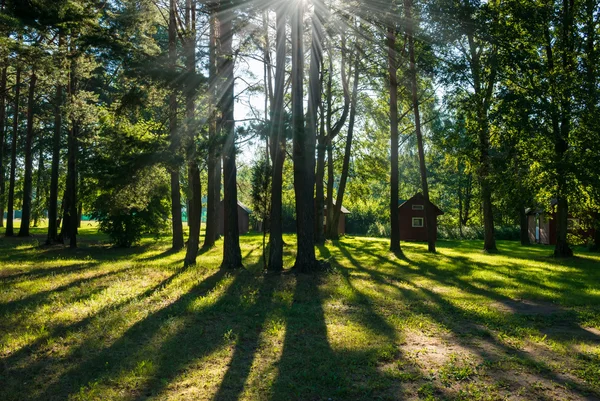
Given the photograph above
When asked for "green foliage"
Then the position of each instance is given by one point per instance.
(128, 212)
(261, 190)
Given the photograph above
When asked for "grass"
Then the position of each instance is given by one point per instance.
(100, 323)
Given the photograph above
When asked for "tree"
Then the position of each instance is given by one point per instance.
(303, 152)
(278, 145)
(393, 85)
(232, 254)
(195, 188)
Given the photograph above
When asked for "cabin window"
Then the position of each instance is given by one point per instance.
(417, 222)
(418, 207)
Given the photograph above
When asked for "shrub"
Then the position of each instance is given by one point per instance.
(137, 208)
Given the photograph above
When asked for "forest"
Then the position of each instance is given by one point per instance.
(328, 200)
(125, 112)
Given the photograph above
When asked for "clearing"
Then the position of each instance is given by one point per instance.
(100, 323)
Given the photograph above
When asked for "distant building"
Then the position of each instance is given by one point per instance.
(243, 218)
(342, 223)
(412, 219)
(542, 224)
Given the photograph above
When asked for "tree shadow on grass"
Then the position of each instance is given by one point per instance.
(142, 345)
(467, 324)
(27, 355)
(311, 369)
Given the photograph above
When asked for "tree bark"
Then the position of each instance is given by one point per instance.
(175, 145)
(13, 157)
(232, 254)
(393, 79)
(303, 151)
(28, 179)
(2, 132)
(53, 201)
(429, 211)
(214, 159)
(561, 138)
(333, 229)
(277, 147)
(37, 210)
(524, 226)
(195, 186)
(314, 94)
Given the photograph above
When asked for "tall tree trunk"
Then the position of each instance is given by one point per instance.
(195, 188)
(277, 147)
(37, 210)
(175, 145)
(429, 212)
(483, 94)
(70, 220)
(53, 202)
(303, 151)
(214, 159)
(561, 145)
(314, 95)
(28, 179)
(232, 254)
(333, 130)
(393, 78)
(2, 139)
(13, 156)
(337, 210)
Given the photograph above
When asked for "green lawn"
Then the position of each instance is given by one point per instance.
(100, 323)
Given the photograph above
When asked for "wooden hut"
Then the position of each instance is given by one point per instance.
(412, 219)
(243, 218)
(341, 223)
(542, 225)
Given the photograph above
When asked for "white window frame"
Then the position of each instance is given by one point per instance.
(421, 219)
(418, 207)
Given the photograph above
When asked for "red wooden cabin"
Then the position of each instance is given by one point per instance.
(412, 219)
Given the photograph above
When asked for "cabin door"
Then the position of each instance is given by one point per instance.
(537, 228)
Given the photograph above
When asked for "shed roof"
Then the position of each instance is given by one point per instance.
(419, 197)
(241, 205)
(342, 209)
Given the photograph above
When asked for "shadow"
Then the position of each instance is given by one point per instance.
(310, 368)
(476, 329)
(247, 344)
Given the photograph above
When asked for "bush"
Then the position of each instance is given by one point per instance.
(512, 233)
(130, 211)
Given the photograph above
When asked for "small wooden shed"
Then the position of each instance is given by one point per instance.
(412, 218)
(243, 212)
(542, 225)
(341, 223)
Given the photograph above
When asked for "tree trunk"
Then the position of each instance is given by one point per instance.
(13, 156)
(303, 151)
(333, 229)
(392, 71)
(53, 202)
(214, 159)
(28, 179)
(175, 145)
(2, 131)
(37, 210)
(314, 95)
(277, 148)
(195, 186)
(69, 226)
(232, 254)
(429, 212)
